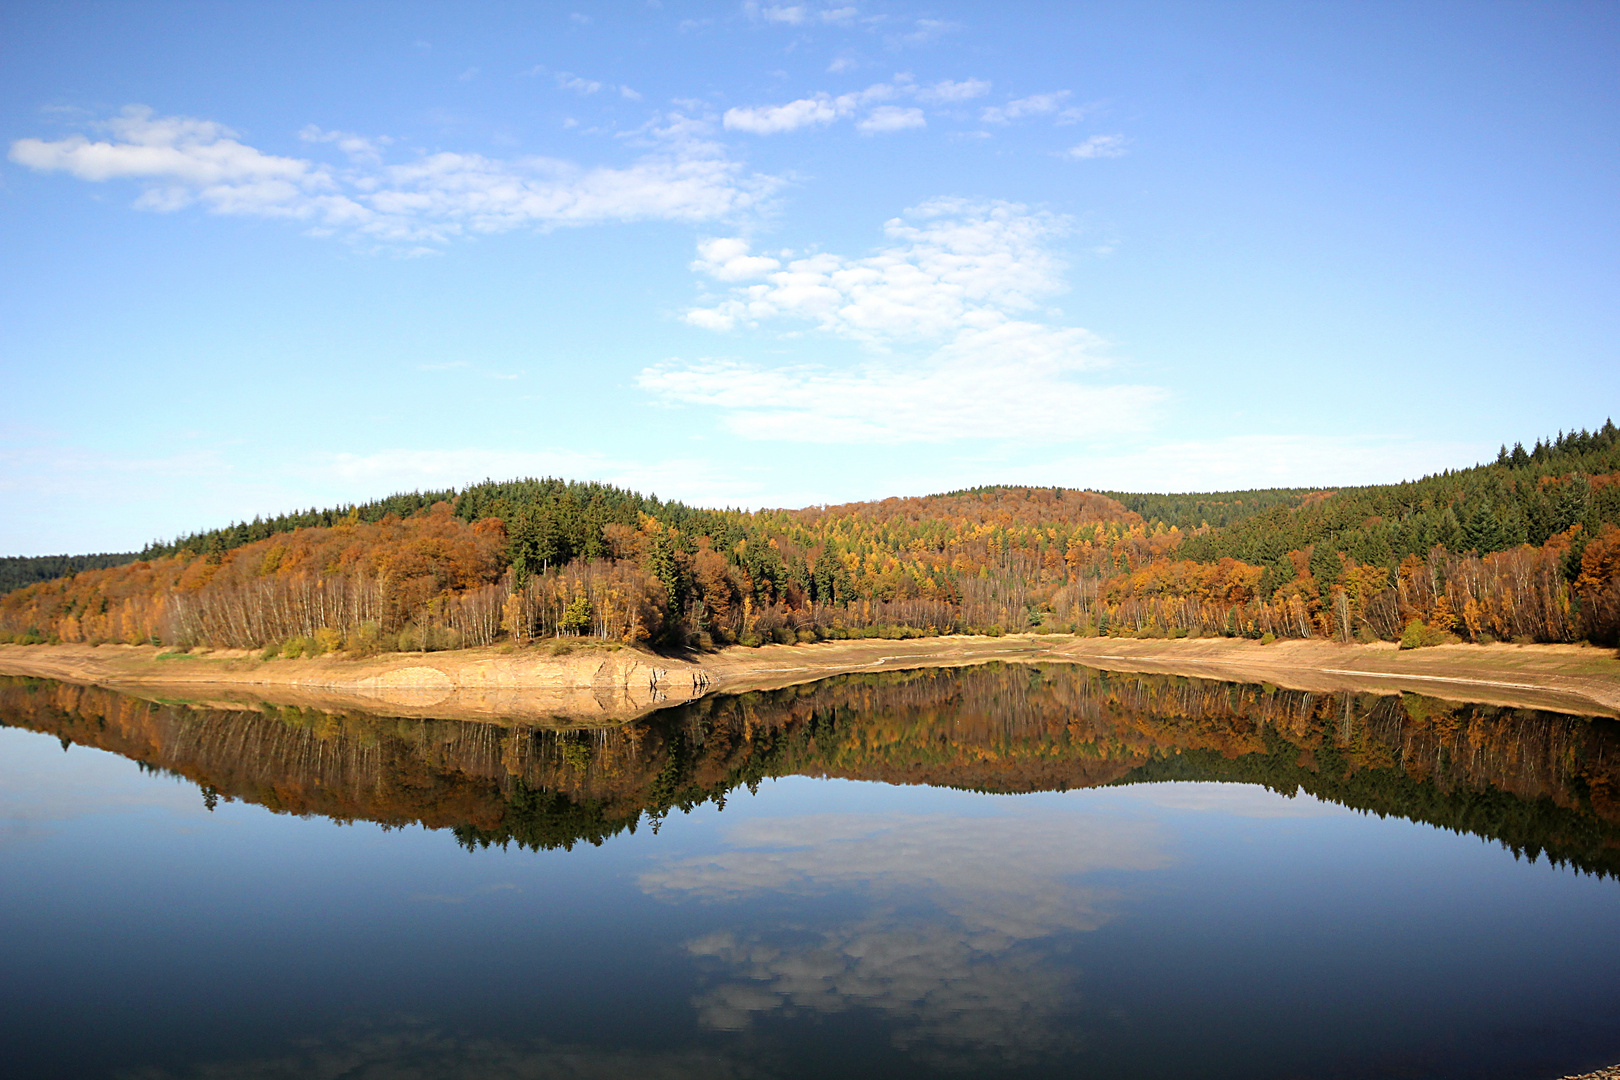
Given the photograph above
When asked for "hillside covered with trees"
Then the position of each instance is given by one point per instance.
(1524, 548)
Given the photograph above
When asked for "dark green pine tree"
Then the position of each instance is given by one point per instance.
(1326, 568)
(1481, 531)
(1571, 503)
(1448, 531)
(1275, 575)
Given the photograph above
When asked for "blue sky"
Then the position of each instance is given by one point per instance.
(279, 255)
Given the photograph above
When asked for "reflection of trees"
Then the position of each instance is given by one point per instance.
(1538, 782)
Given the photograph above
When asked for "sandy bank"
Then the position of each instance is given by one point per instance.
(573, 686)
(586, 684)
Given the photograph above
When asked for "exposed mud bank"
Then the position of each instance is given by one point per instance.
(596, 685)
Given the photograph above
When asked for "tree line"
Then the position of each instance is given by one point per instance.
(19, 570)
(1524, 548)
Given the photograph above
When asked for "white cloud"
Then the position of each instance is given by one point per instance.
(183, 161)
(1034, 105)
(360, 148)
(790, 15)
(727, 259)
(816, 110)
(568, 81)
(951, 265)
(774, 119)
(887, 118)
(842, 64)
(798, 14)
(822, 109)
(947, 310)
(1098, 146)
(946, 91)
(682, 176)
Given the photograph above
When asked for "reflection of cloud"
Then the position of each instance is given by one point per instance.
(1238, 800)
(421, 1053)
(942, 984)
(952, 951)
(1005, 872)
(41, 787)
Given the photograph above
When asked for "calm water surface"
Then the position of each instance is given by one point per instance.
(1000, 871)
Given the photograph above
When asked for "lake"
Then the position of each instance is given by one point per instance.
(1018, 870)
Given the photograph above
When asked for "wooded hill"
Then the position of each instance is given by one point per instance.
(1524, 548)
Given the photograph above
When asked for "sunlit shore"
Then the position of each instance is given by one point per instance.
(588, 681)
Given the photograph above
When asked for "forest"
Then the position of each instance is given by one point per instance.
(1525, 548)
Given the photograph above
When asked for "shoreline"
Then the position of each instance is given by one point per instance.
(576, 683)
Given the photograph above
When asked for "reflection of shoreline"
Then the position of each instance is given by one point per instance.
(956, 947)
(1533, 781)
(589, 683)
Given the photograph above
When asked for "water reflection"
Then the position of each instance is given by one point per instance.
(850, 929)
(1538, 782)
(956, 944)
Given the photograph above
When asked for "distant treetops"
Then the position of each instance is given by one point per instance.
(1527, 548)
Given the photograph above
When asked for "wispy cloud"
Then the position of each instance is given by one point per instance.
(182, 160)
(1033, 105)
(569, 81)
(818, 110)
(682, 175)
(1098, 146)
(362, 149)
(947, 314)
(887, 118)
(800, 14)
(946, 91)
(821, 109)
